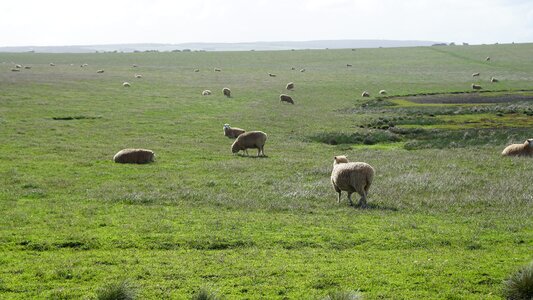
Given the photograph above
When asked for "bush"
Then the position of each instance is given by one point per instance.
(519, 286)
(120, 290)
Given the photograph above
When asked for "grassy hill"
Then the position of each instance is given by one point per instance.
(449, 217)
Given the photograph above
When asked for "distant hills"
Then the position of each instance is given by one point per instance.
(259, 46)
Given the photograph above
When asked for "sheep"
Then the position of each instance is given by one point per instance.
(134, 66)
(52, 65)
(27, 67)
(290, 86)
(492, 79)
(100, 71)
(138, 76)
(383, 92)
(351, 177)
(293, 68)
(487, 59)
(217, 69)
(525, 149)
(232, 133)
(348, 65)
(206, 93)
(249, 140)
(476, 87)
(475, 74)
(365, 94)
(84, 65)
(134, 156)
(227, 92)
(271, 75)
(302, 70)
(196, 70)
(18, 66)
(126, 84)
(15, 70)
(286, 98)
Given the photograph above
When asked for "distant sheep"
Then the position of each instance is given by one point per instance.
(271, 75)
(100, 71)
(286, 98)
(365, 94)
(134, 66)
(52, 65)
(475, 74)
(302, 70)
(250, 140)
(383, 92)
(525, 149)
(476, 86)
(27, 67)
(134, 156)
(351, 177)
(206, 93)
(18, 66)
(196, 70)
(348, 65)
(492, 79)
(227, 92)
(290, 86)
(138, 76)
(126, 84)
(217, 70)
(293, 68)
(232, 132)
(487, 59)
(15, 70)
(84, 65)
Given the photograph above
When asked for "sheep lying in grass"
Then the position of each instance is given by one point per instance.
(138, 76)
(475, 74)
(351, 177)
(217, 70)
(134, 156)
(27, 67)
(286, 98)
(348, 65)
(52, 65)
(492, 79)
(525, 149)
(18, 66)
(383, 92)
(290, 86)
(365, 94)
(476, 86)
(100, 71)
(250, 140)
(227, 92)
(232, 133)
(196, 70)
(271, 75)
(126, 84)
(206, 93)
(15, 70)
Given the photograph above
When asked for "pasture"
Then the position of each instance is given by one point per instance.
(448, 217)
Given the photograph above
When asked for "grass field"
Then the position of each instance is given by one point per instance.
(449, 218)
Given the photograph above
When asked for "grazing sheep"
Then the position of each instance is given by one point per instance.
(492, 79)
(271, 75)
(138, 76)
(525, 149)
(383, 92)
(476, 87)
(100, 71)
(249, 140)
(126, 84)
(348, 65)
(286, 98)
(217, 69)
(302, 70)
(475, 74)
(293, 68)
(227, 92)
(232, 133)
(15, 70)
(18, 66)
(52, 65)
(134, 156)
(27, 67)
(290, 86)
(365, 94)
(83, 65)
(196, 70)
(134, 66)
(487, 59)
(206, 93)
(351, 177)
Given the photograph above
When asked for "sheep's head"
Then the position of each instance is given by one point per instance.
(529, 143)
(340, 159)
(235, 147)
(226, 125)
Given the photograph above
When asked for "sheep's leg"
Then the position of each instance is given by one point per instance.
(350, 198)
(339, 198)
(362, 201)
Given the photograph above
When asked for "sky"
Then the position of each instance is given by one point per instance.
(90, 22)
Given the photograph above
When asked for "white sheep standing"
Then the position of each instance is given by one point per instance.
(351, 177)
(217, 69)
(232, 132)
(250, 140)
(206, 93)
(271, 75)
(475, 74)
(365, 94)
(525, 149)
(52, 65)
(383, 92)
(100, 71)
(138, 76)
(290, 86)
(476, 86)
(134, 156)
(126, 84)
(492, 79)
(227, 92)
(286, 98)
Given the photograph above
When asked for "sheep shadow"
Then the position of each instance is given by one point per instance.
(251, 156)
(375, 206)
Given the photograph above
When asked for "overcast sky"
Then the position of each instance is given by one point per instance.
(83, 22)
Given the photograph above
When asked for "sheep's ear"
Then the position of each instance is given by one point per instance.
(335, 157)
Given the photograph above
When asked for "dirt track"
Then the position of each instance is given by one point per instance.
(469, 98)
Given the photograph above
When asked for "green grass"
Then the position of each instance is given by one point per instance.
(446, 221)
